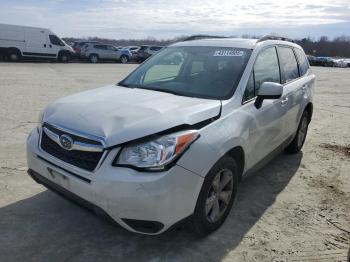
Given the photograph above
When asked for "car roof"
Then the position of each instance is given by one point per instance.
(234, 42)
(222, 42)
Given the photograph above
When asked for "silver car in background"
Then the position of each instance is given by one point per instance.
(172, 141)
(96, 52)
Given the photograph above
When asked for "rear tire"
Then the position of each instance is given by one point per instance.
(93, 58)
(216, 197)
(14, 55)
(299, 139)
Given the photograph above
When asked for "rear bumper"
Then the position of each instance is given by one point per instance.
(146, 203)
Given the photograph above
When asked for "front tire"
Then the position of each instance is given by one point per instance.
(216, 197)
(124, 59)
(299, 139)
(14, 56)
(64, 58)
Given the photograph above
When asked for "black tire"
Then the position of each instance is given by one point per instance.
(124, 59)
(93, 58)
(200, 221)
(299, 138)
(64, 57)
(14, 55)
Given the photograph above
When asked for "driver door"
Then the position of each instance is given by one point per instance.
(265, 125)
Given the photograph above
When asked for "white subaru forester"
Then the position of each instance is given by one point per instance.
(174, 138)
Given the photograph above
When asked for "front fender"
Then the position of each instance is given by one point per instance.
(214, 142)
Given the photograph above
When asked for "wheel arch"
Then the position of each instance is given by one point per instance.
(309, 108)
(61, 52)
(237, 153)
(90, 55)
(13, 49)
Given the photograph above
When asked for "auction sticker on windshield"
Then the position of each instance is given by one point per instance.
(229, 53)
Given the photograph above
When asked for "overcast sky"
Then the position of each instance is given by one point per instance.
(169, 18)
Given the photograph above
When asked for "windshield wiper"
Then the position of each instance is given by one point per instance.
(154, 89)
(161, 90)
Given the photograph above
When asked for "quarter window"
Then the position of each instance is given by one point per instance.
(250, 90)
(289, 65)
(303, 63)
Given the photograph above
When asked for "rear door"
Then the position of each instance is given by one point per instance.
(265, 125)
(292, 87)
(112, 53)
(101, 51)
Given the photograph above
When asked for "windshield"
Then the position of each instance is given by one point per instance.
(203, 72)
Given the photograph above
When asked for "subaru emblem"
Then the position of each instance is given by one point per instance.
(66, 142)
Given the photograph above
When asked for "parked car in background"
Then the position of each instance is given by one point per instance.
(98, 52)
(311, 59)
(347, 62)
(325, 61)
(18, 42)
(146, 51)
(133, 49)
(78, 45)
(342, 62)
(172, 141)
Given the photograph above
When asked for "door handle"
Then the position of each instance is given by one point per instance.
(284, 101)
(50, 46)
(44, 45)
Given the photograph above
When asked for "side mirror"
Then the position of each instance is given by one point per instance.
(268, 90)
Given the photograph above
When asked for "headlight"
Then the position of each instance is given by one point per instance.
(158, 153)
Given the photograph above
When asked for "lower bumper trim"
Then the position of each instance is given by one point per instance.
(68, 195)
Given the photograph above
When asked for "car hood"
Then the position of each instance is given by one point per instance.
(119, 114)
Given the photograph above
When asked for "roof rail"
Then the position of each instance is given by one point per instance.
(198, 37)
(274, 37)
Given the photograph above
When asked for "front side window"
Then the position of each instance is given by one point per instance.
(266, 68)
(303, 63)
(111, 48)
(289, 65)
(55, 40)
(196, 71)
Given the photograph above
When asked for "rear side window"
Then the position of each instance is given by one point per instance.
(289, 65)
(303, 63)
(103, 47)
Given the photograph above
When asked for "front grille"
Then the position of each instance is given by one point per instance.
(82, 159)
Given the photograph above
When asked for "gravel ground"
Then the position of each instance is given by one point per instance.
(297, 208)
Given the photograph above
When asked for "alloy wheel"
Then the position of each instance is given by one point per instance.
(124, 59)
(219, 195)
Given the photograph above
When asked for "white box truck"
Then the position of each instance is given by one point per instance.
(18, 42)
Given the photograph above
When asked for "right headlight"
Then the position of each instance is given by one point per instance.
(156, 154)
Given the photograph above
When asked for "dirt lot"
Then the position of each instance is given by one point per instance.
(297, 208)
